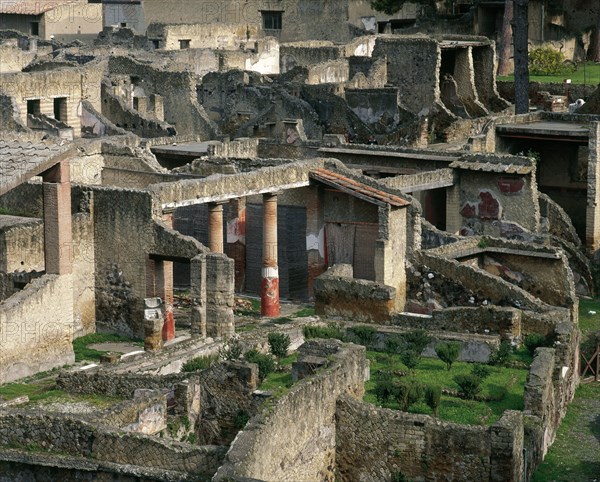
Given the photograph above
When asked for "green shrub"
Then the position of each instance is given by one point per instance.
(330, 331)
(199, 363)
(448, 353)
(279, 344)
(417, 340)
(469, 385)
(408, 392)
(394, 344)
(399, 477)
(232, 350)
(410, 359)
(482, 371)
(502, 354)
(365, 335)
(241, 419)
(433, 396)
(533, 341)
(547, 61)
(384, 388)
(266, 363)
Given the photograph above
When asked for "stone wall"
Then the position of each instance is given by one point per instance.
(413, 67)
(21, 244)
(308, 435)
(378, 443)
(115, 109)
(73, 84)
(493, 319)
(178, 89)
(337, 293)
(498, 204)
(36, 328)
(64, 434)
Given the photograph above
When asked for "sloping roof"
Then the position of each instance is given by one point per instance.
(31, 7)
(357, 188)
(20, 161)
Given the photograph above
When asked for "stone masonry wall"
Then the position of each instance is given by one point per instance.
(377, 444)
(301, 421)
(337, 293)
(36, 328)
(64, 434)
(413, 67)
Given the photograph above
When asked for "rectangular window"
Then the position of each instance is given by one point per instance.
(33, 107)
(184, 44)
(34, 28)
(271, 20)
(60, 109)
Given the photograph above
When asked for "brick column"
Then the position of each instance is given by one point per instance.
(215, 227)
(58, 242)
(198, 295)
(269, 293)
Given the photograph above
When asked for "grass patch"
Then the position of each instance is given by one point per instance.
(504, 384)
(304, 312)
(574, 454)
(45, 391)
(82, 352)
(589, 323)
(589, 75)
(280, 379)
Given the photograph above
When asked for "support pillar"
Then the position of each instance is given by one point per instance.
(269, 294)
(453, 216)
(215, 227)
(58, 242)
(198, 295)
(164, 287)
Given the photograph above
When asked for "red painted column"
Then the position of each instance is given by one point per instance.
(269, 294)
(215, 227)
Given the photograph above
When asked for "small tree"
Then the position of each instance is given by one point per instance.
(279, 344)
(533, 341)
(365, 335)
(482, 371)
(502, 354)
(384, 388)
(433, 396)
(232, 350)
(417, 340)
(469, 385)
(410, 359)
(448, 353)
(408, 392)
(266, 363)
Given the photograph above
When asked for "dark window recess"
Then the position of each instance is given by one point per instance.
(184, 44)
(123, 24)
(271, 20)
(156, 44)
(33, 107)
(60, 108)
(34, 28)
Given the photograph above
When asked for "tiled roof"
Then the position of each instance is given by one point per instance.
(19, 161)
(357, 188)
(30, 7)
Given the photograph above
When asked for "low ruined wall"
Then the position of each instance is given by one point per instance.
(559, 223)
(493, 320)
(115, 109)
(490, 287)
(65, 434)
(338, 294)
(36, 328)
(294, 438)
(375, 444)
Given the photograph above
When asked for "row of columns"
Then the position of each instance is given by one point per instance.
(270, 273)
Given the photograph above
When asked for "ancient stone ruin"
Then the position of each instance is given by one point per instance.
(182, 187)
